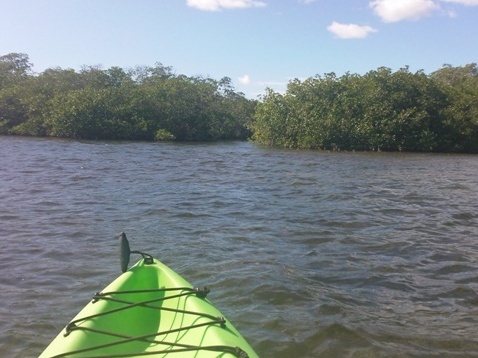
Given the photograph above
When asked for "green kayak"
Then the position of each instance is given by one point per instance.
(149, 311)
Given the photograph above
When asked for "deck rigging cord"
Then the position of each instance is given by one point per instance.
(150, 338)
(163, 295)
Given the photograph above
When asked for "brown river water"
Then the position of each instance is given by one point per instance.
(309, 254)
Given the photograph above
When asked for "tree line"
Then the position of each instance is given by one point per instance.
(379, 111)
(143, 103)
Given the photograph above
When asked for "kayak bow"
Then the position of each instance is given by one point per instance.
(149, 311)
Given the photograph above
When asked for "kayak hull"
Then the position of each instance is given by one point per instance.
(149, 311)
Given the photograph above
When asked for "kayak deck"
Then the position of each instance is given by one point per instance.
(149, 311)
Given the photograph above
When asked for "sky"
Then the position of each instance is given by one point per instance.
(259, 44)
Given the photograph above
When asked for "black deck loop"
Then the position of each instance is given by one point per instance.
(69, 328)
(202, 293)
(97, 296)
(240, 353)
(221, 321)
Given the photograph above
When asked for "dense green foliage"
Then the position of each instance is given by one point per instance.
(145, 103)
(381, 110)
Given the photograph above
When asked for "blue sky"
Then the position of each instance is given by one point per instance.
(257, 43)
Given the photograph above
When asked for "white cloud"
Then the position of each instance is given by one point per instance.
(245, 80)
(216, 5)
(307, 2)
(350, 31)
(398, 10)
(451, 13)
(464, 2)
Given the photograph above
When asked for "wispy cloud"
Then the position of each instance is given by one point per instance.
(256, 88)
(398, 10)
(463, 2)
(245, 80)
(350, 31)
(216, 5)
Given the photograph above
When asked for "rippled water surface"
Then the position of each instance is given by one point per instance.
(308, 253)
